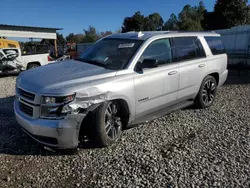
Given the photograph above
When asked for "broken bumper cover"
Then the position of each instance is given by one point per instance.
(61, 133)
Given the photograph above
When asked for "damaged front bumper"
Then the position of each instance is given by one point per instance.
(57, 133)
(61, 133)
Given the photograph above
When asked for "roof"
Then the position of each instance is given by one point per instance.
(28, 31)
(144, 35)
(18, 27)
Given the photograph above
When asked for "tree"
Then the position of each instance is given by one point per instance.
(75, 38)
(79, 38)
(60, 40)
(231, 13)
(106, 33)
(91, 35)
(134, 23)
(172, 23)
(211, 21)
(138, 22)
(190, 18)
(118, 31)
(71, 38)
(153, 22)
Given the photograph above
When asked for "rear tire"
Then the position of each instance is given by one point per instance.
(207, 93)
(107, 124)
(33, 65)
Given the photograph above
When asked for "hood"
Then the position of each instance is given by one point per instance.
(65, 74)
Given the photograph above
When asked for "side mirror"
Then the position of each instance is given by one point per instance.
(149, 63)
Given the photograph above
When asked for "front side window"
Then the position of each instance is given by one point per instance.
(159, 50)
(187, 48)
(111, 53)
(216, 45)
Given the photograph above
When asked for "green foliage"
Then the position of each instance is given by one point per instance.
(88, 36)
(133, 23)
(104, 34)
(227, 13)
(72, 38)
(60, 40)
(153, 22)
(231, 13)
(172, 23)
(190, 18)
(138, 22)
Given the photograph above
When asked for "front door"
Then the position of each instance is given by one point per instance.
(155, 88)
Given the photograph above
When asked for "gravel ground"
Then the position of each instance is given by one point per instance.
(188, 148)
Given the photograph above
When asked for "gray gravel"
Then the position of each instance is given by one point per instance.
(188, 148)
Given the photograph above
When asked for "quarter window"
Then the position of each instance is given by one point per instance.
(158, 50)
(216, 45)
(187, 48)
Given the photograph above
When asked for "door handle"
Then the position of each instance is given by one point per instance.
(201, 65)
(172, 73)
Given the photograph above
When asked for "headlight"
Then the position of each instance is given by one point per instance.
(55, 101)
(52, 106)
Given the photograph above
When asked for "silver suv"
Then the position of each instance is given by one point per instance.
(118, 82)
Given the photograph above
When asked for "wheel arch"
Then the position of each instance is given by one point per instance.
(216, 76)
(33, 62)
(125, 113)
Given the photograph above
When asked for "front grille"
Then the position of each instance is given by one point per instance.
(26, 109)
(26, 94)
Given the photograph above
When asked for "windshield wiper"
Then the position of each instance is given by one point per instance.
(91, 62)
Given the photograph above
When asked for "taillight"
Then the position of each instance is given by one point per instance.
(49, 58)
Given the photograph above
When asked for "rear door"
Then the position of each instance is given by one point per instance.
(191, 57)
(155, 88)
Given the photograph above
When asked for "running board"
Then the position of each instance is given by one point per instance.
(162, 112)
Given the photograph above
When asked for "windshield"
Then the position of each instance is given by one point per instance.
(111, 53)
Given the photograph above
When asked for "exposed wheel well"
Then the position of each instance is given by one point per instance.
(216, 76)
(124, 110)
(33, 63)
(87, 121)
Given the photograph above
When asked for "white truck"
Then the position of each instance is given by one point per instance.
(12, 60)
(36, 60)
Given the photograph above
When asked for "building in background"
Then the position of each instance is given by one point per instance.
(237, 44)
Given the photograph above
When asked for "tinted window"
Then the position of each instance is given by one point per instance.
(199, 49)
(187, 48)
(159, 50)
(216, 45)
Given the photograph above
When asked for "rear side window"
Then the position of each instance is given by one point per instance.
(187, 48)
(216, 45)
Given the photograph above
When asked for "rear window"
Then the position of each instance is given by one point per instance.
(187, 48)
(216, 45)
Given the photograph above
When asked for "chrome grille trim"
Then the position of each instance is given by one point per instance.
(26, 103)
(28, 110)
(26, 94)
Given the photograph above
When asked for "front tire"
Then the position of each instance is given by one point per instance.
(207, 93)
(107, 127)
